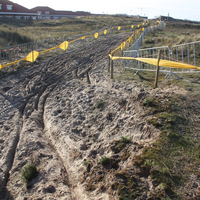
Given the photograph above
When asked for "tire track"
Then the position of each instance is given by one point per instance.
(37, 92)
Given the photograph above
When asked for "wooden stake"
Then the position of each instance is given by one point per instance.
(157, 70)
(109, 61)
(83, 42)
(32, 54)
(111, 76)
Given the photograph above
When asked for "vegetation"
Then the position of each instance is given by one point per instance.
(175, 155)
(174, 158)
(173, 34)
(105, 160)
(99, 105)
(86, 162)
(120, 144)
(28, 172)
(15, 31)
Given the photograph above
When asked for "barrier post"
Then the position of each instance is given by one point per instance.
(32, 52)
(109, 61)
(157, 70)
(111, 75)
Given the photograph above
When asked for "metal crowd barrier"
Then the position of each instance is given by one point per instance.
(188, 53)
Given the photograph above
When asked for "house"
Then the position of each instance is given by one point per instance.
(10, 9)
(49, 13)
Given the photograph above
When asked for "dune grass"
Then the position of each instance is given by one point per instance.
(22, 31)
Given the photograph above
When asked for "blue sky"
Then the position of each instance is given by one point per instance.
(182, 9)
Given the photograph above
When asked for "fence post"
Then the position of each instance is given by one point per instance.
(109, 61)
(157, 70)
(32, 52)
(111, 76)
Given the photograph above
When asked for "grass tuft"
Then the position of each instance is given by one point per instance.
(121, 144)
(105, 160)
(99, 105)
(28, 172)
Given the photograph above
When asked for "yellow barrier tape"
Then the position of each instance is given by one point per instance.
(96, 35)
(129, 39)
(115, 49)
(64, 45)
(123, 45)
(89, 36)
(32, 56)
(162, 63)
(48, 50)
(158, 22)
(167, 63)
(6, 65)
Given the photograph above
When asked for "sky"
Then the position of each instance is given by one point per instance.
(181, 9)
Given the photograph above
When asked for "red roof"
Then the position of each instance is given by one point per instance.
(45, 10)
(15, 7)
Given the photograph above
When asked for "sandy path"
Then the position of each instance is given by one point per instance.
(24, 135)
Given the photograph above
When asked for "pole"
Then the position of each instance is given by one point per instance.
(111, 69)
(109, 61)
(157, 70)
(32, 53)
(83, 42)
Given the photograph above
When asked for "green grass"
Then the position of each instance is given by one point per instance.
(126, 186)
(28, 172)
(86, 162)
(121, 144)
(175, 155)
(105, 160)
(99, 105)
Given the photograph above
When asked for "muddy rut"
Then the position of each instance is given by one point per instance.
(24, 135)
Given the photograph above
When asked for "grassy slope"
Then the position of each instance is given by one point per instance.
(173, 34)
(15, 31)
(173, 160)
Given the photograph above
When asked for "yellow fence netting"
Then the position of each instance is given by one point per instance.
(32, 56)
(162, 63)
(152, 61)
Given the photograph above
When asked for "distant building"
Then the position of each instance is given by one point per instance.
(10, 9)
(171, 19)
(49, 13)
(14, 10)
